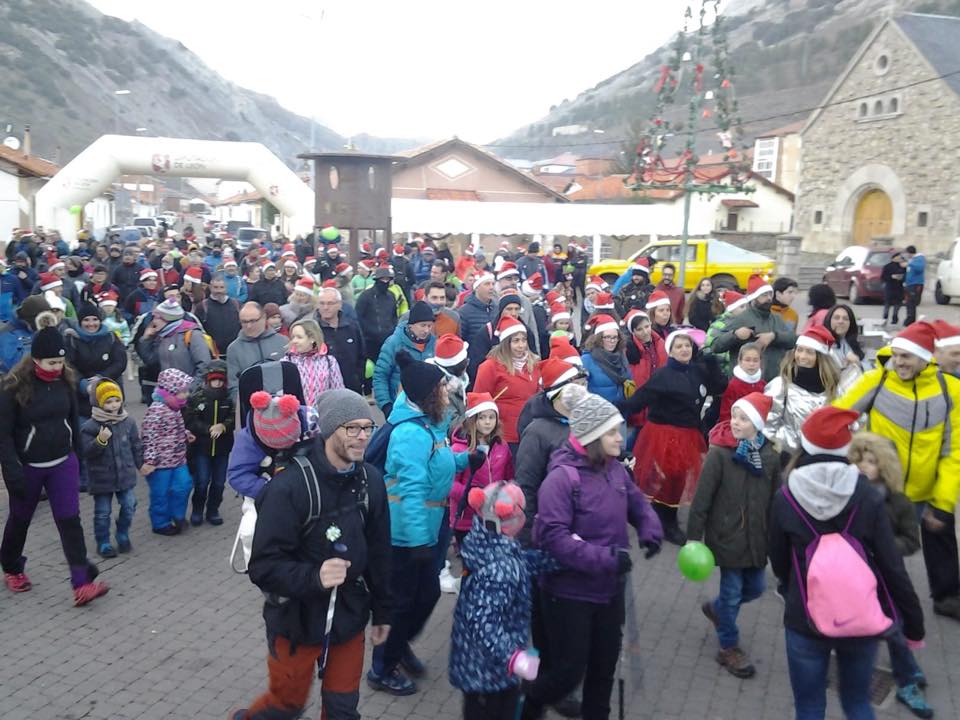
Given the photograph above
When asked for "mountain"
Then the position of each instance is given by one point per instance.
(786, 55)
(61, 60)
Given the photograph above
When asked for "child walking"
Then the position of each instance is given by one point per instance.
(480, 431)
(747, 378)
(489, 654)
(165, 439)
(731, 506)
(209, 415)
(113, 451)
(877, 459)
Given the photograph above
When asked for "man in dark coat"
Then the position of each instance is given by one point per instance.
(126, 275)
(478, 309)
(220, 314)
(343, 338)
(270, 288)
(378, 308)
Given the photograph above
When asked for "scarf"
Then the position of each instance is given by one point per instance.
(613, 364)
(748, 454)
(89, 336)
(169, 399)
(742, 374)
(106, 418)
(46, 376)
(519, 365)
(809, 379)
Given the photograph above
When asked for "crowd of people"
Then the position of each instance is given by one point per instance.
(531, 414)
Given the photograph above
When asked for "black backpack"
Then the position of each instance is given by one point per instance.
(376, 452)
(273, 376)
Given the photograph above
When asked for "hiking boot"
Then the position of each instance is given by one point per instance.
(919, 679)
(88, 593)
(392, 681)
(736, 662)
(710, 612)
(240, 714)
(17, 582)
(215, 519)
(169, 530)
(123, 543)
(912, 697)
(569, 706)
(948, 607)
(673, 534)
(106, 550)
(196, 519)
(411, 664)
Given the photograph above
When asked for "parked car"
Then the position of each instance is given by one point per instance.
(855, 273)
(151, 223)
(948, 275)
(724, 263)
(246, 235)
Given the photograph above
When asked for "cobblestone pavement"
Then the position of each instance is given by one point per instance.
(180, 636)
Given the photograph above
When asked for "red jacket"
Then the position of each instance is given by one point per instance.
(509, 391)
(647, 363)
(737, 388)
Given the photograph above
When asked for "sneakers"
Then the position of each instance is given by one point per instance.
(238, 714)
(736, 662)
(123, 543)
(710, 612)
(17, 582)
(948, 607)
(912, 697)
(393, 682)
(106, 550)
(169, 530)
(196, 519)
(88, 593)
(215, 519)
(411, 664)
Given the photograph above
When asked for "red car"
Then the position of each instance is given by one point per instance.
(855, 274)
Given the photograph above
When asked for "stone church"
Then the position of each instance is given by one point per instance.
(881, 157)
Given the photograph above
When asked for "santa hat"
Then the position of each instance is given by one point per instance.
(55, 263)
(292, 263)
(559, 312)
(816, 338)
(642, 265)
(397, 251)
(757, 285)
(633, 316)
(304, 285)
(755, 406)
(288, 251)
(194, 275)
(49, 281)
(733, 299)
(508, 326)
(597, 283)
(343, 269)
(682, 332)
(368, 263)
(108, 299)
(555, 374)
(599, 324)
(919, 339)
(483, 278)
(230, 263)
(478, 402)
(276, 420)
(419, 294)
(947, 335)
(603, 301)
(450, 350)
(469, 251)
(553, 297)
(533, 285)
(561, 348)
(268, 263)
(826, 431)
(656, 299)
(508, 269)
(366, 249)
(331, 283)
(148, 274)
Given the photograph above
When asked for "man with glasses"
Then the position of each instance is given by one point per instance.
(330, 573)
(677, 298)
(256, 344)
(343, 337)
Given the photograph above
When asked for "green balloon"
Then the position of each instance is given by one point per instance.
(76, 209)
(329, 233)
(695, 561)
(368, 370)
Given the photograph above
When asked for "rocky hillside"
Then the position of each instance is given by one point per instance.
(786, 54)
(61, 60)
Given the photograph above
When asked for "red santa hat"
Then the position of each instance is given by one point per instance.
(148, 274)
(483, 278)
(507, 269)
(288, 251)
(599, 324)
(826, 431)
(304, 285)
(633, 316)
(108, 299)
(343, 269)
(230, 263)
(368, 263)
(559, 312)
(561, 348)
(331, 283)
(194, 275)
(508, 326)
(555, 373)
(397, 251)
(597, 283)
(816, 338)
(755, 406)
(49, 281)
(919, 339)
(478, 402)
(553, 297)
(450, 350)
(366, 248)
(656, 299)
(642, 265)
(268, 263)
(603, 301)
(947, 335)
(533, 285)
(469, 251)
(733, 299)
(55, 263)
(291, 263)
(757, 285)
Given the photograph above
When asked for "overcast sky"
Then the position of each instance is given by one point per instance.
(421, 68)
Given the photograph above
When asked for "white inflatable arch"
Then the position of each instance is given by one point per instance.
(93, 170)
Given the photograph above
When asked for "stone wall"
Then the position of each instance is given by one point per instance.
(909, 153)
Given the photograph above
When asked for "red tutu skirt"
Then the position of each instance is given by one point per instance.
(668, 462)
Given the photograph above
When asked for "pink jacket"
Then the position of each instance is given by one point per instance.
(498, 466)
(164, 437)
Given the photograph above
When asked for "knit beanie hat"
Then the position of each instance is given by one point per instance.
(88, 309)
(755, 406)
(508, 299)
(276, 419)
(420, 312)
(215, 370)
(47, 345)
(271, 309)
(31, 307)
(590, 415)
(417, 378)
(105, 390)
(169, 310)
(501, 504)
(174, 381)
(339, 407)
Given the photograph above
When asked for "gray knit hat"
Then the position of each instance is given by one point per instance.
(590, 415)
(338, 407)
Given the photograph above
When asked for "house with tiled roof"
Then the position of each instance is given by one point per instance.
(776, 155)
(879, 155)
(21, 176)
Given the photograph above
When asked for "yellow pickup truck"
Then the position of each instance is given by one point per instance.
(725, 264)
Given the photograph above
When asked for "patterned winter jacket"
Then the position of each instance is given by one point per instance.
(492, 618)
(164, 437)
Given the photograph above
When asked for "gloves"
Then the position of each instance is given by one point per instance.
(477, 458)
(16, 487)
(421, 553)
(652, 547)
(624, 563)
(386, 410)
(525, 664)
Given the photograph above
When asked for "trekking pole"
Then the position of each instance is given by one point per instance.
(620, 683)
(340, 549)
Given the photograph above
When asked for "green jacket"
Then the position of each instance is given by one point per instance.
(761, 322)
(713, 332)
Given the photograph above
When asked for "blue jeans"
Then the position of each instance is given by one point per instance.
(443, 541)
(102, 507)
(169, 491)
(808, 658)
(737, 586)
(208, 483)
(902, 662)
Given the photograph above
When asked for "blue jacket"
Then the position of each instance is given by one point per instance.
(474, 315)
(15, 340)
(12, 293)
(600, 383)
(236, 288)
(492, 618)
(419, 474)
(386, 375)
(916, 269)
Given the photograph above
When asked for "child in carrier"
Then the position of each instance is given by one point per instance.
(876, 457)
(480, 431)
(842, 577)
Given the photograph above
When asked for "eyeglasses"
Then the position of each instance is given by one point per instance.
(355, 430)
(251, 322)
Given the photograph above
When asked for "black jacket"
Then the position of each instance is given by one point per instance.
(378, 308)
(474, 315)
(126, 278)
(700, 312)
(268, 291)
(285, 562)
(345, 343)
(871, 527)
(220, 320)
(542, 430)
(892, 278)
(101, 354)
(113, 467)
(403, 273)
(206, 408)
(675, 393)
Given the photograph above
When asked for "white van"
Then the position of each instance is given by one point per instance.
(948, 276)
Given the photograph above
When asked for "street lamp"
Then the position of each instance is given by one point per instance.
(116, 109)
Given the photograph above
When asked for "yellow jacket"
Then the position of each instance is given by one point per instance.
(922, 418)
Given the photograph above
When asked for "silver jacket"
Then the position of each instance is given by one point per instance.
(790, 408)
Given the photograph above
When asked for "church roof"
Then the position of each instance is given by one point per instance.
(936, 37)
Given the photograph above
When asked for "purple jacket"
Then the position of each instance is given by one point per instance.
(582, 520)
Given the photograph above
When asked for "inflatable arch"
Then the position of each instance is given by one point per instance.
(93, 170)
